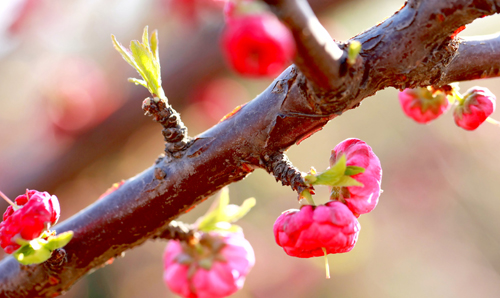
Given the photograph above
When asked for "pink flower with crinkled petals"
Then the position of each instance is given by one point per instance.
(359, 199)
(423, 104)
(306, 232)
(215, 267)
(36, 213)
(478, 104)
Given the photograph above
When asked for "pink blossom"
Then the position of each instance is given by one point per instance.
(304, 233)
(257, 45)
(215, 267)
(478, 104)
(38, 212)
(423, 104)
(359, 199)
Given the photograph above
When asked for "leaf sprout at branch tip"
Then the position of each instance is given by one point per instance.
(353, 51)
(144, 58)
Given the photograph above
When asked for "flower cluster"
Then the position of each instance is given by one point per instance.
(33, 213)
(471, 109)
(211, 266)
(212, 260)
(354, 178)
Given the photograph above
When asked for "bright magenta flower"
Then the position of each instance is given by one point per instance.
(478, 104)
(214, 267)
(359, 199)
(304, 233)
(257, 45)
(37, 212)
(423, 104)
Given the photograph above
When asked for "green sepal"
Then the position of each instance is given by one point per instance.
(58, 241)
(221, 214)
(39, 250)
(206, 263)
(330, 176)
(353, 170)
(336, 175)
(348, 181)
(27, 254)
(144, 58)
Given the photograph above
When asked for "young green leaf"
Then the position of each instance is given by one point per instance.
(144, 58)
(138, 82)
(353, 51)
(221, 214)
(154, 45)
(330, 176)
(337, 175)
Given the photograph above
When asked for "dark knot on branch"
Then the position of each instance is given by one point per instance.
(283, 170)
(174, 131)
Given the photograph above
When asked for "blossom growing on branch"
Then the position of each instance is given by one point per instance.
(257, 44)
(33, 213)
(306, 232)
(477, 105)
(359, 199)
(214, 265)
(423, 104)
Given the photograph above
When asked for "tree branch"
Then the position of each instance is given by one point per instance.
(476, 58)
(411, 48)
(318, 56)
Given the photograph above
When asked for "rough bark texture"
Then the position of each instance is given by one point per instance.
(412, 48)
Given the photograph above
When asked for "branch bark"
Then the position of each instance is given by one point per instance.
(476, 58)
(411, 48)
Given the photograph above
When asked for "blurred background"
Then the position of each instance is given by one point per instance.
(71, 124)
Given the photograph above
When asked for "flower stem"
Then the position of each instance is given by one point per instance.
(327, 266)
(307, 195)
(7, 199)
(493, 121)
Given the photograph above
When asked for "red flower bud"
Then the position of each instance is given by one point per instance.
(423, 104)
(478, 104)
(37, 212)
(359, 199)
(304, 233)
(257, 45)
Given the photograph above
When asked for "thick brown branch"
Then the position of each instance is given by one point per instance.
(144, 205)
